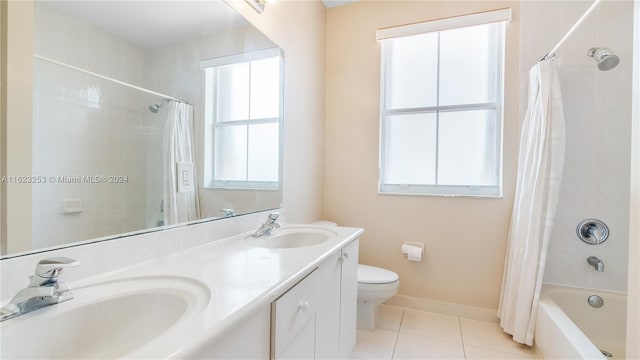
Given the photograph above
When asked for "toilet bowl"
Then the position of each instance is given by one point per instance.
(375, 286)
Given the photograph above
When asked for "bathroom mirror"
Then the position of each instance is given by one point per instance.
(146, 115)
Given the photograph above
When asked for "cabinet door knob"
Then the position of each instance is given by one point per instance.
(303, 306)
(345, 256)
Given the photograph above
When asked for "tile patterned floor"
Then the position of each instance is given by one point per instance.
(411, 334)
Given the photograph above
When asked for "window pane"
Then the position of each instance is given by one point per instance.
(233, 92)
(265, 88)
(231, 153)
(264, 143)
(410, 149)
(412, 71)
(468, 65)
(467, 148)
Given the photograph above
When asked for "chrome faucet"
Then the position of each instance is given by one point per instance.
(228, 212)
(43, 290)
(270, 224)
(596, 263)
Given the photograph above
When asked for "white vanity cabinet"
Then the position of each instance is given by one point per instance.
(316, 319)
(293, 321)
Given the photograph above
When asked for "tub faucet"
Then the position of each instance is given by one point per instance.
(596, 263)
(268, 226)
(43, 290)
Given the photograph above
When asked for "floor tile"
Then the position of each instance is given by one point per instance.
(489, 336)
(437, 326)
(416, 347)
(376, 344)
(389, 317)
(472, 352)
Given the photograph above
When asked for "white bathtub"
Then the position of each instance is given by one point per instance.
(567, 327)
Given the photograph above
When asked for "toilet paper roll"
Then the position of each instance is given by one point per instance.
(414, 253)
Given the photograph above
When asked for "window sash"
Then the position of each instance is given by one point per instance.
(214, 124)
(492, 191)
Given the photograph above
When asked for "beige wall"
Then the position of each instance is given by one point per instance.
(633, 310)
(16, 120)
(465, 238)
(299, 28)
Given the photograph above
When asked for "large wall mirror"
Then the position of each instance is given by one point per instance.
(145, 115)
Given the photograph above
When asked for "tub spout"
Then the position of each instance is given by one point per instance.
(596, 263)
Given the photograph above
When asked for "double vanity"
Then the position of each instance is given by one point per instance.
(288, 294)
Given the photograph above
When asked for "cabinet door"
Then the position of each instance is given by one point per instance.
(302, 345)
(293, 321)
(328, 315)
(349, 299)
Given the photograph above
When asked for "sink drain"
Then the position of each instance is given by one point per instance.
(606, 353)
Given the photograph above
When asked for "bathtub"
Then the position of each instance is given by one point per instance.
(567, 327)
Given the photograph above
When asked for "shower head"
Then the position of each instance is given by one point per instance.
(605, 58)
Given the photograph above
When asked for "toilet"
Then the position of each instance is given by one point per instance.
(375, 286)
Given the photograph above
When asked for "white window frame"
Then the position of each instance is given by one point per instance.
(490, 191)
(211, 123)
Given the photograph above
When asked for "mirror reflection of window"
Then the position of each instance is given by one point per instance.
(242, 110)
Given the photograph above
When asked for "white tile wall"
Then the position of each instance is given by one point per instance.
(87, 126)
(597, 107)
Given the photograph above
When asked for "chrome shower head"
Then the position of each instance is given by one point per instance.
(605, 58)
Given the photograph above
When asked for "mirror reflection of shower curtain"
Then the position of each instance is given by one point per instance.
(540, 162)
(178, 155)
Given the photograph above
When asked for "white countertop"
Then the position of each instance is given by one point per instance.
(238, 277)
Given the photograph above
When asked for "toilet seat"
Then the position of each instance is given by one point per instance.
(368, 274)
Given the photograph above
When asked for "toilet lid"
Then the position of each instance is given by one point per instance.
(374, 275)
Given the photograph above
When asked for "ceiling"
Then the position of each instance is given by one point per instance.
(152, 24)
(334, 3)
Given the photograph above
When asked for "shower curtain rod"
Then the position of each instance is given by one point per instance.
(109, 79)
(575, 26)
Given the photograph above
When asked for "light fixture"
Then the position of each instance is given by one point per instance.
(258, 5)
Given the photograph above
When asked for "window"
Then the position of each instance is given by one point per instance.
(441, 106)
(243, 107)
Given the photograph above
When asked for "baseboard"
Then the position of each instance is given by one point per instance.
(441, 307)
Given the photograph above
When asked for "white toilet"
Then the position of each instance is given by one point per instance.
(375, 286)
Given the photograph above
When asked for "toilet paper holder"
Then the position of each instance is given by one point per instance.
(410, 243)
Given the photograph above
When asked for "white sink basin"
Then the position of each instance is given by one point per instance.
(293, 237)
(106, 320)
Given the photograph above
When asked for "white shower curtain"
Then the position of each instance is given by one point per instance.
(540, 162)
(178, 155)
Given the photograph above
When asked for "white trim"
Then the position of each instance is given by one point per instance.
(244, 185)
(484, 191)
(444, 24)
(443, 307)
(239, 58)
